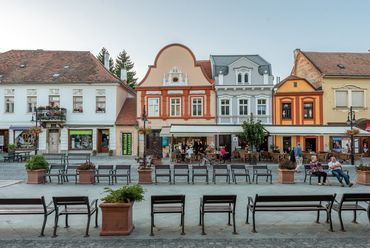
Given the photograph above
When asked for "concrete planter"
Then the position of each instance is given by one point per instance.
(86, 176)
(116, 218)
(145, 176)
(35, 176)
(363, 177)
(286, 176)
(157, 161)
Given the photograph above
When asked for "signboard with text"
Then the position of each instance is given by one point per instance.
(126, 144)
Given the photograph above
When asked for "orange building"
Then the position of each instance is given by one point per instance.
(296, 106)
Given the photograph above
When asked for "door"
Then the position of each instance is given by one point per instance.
(53, 140)
(103, 140)
(153, 142)
(286, 143)
(225, 140)
(126, 144)
(4, 136)
(365, 147)
(310, 144)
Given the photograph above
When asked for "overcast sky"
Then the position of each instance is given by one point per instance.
(272, 29)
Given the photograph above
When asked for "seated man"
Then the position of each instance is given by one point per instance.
(178, 154)
(336, 168)
(318, 170)
(189, 151)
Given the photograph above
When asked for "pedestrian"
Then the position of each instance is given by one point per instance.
(298, 157)
(336, 169)
(318, 170)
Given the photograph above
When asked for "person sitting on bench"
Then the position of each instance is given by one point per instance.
(318, 170)
(336, 168)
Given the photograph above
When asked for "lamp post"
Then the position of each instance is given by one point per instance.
(144, 119)
(32, 120)
(350, 120)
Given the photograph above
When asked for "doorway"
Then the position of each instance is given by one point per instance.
(103, 140)
(365, 147)
(286, 143)
(53, 140)
(310, 144)
(153, 142)
(225, 140)
(4, 140)
(126, 144)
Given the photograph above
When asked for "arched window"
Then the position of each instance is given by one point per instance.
(239, 78)
(246, 78)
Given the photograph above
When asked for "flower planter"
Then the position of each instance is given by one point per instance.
(286, 176)
(157, 161)
(86, 176)
(116, 218)
(145, 176)
(35, 176)
(141, 132)
(147, 132)
(363, 177)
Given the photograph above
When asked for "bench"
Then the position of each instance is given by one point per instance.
(221, 171)
(166, 201)
(179, 171)
(86, 209)
(70, 171)
(55, 170)
(123, 171)
(25, 157)
(104, 171)
(308, 172)
(162, 171)
(239, 170)
(257, 173)
(349, 202)
(199, 171)
(7, 158)
(217, 204)
(288, 203)
(56, 158)
(80, 157)
(35, 206)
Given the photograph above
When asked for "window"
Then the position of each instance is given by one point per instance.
(243, 107)
(286, 111)
(153, 109)
(295, 84)
(242, 75)
(31, 104)
(77, 104)
(341, 98)
(358, 99)
(80, 139)
(100, 104)
(197, 106)
(54, 101)
(261, 107)
(246, 78)
(239, 78)
(308, 110)
(9, 104)
(23, 139)
(225, 107)
(175, 107)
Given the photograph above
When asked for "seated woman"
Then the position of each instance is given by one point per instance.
(225, 155)
(189, 151)
(178, 154)
(318, 170)
(276, 150)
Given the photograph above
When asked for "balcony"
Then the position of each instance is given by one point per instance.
(49, 114)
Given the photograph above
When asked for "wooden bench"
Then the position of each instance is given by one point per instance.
(70, 171)
(199, 171)
(217, 204)
(239, 170)
(167, 207)
(104, 171)
(308, 172)
(257, 173)
(35, 206)
(349, 202)
(162, 171)
(81, 157)
(288, 203)
(55, 170)
(86, 209)
(221, 171)
(181, 170)
(122, 171)
(7, 158)
(55, 158)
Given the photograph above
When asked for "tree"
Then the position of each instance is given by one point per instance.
(124, 61)
(253, 133)
(100, 57)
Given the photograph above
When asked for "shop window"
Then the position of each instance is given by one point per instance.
(197, 106)
(54, 101)
(100, 104)
(24, 140)
(175, 107)
(308, 111)
(9, 104)
(31, 104)
(153, 109)
(261, 107)
(77, 104)
(80, 139)
(225, 107)
(243, 107)
(286, 111)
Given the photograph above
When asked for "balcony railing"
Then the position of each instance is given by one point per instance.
(47, 114)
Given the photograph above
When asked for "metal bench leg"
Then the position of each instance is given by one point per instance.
(203, 233)
(55, 225)
(256, 179)
(271, 179)
(354, 217)
(235, 233)
(331, 223)
(254, 222)
(152, 225)
(182, 224)
(43, 226)
(247, 218)
(228, 219)
(87, 227)
(249, 178)
(66, 221)
(318, 217)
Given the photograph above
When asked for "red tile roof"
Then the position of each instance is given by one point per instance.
(40, 66)
(206, 67)
(328, 63)
(127, 116)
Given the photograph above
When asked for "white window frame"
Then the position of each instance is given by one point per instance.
(175, 106)
(230, 106)
(5, 104)
(267, 104)
(248, 105)
(73, 103)
(149, 113)
(35, 104)
(192, 106)
(243, 72)
(59, 105)
(349, 88)
(104, 110)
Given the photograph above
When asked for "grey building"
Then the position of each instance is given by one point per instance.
(243, 85)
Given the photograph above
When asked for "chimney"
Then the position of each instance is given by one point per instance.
(220, 78)
(296, 52)
(106, 60)
(123, 74)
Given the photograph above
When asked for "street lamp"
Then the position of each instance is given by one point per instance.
(144, 119)
(351, 119)
(32, 120)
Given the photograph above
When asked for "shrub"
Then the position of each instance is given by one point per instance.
(86, 166)
(37, 162)
(286, 164)
(125, 194)
(363, 167)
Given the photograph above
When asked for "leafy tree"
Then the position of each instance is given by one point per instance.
(100, 57)
(253, 133)
(124, 61)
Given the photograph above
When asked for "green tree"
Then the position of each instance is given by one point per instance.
(253, 133)
(100, 57)
(124, 61)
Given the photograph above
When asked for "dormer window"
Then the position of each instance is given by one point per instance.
(243, 75)
(239, 78)
(246, 77)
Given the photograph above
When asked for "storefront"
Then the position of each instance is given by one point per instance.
(22, 138)
(343, 144)
(80, 139)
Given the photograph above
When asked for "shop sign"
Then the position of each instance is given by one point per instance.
(80, 132)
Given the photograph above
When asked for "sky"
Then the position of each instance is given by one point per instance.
(272, 29)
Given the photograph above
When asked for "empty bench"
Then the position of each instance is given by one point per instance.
(288, 203)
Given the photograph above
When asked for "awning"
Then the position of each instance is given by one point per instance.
(20, 127)
(165, 132)
(312, 130)
(203, 130)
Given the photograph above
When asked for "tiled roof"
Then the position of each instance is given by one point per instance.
(206, 67)
(329, 63)
(40, 66)
(127, 116)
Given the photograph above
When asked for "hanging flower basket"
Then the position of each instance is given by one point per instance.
(353, 131)
(35, 130)
(148, 130)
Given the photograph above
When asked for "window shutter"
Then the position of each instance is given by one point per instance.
(341, 98)
(357, 98)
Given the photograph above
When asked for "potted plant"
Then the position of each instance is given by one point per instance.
(148, 130)
(117, 209)
(144, 170)
(36, 167)
(286, 171)
(272, 147)
(363, 174)
(11, 149)
(35, 130)
(157, 154)
(110, 152)
(86, 173)
(94, 152)
(41, 108)
(353, 131)
(141, 130)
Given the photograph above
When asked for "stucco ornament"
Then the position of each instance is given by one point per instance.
(175, 78)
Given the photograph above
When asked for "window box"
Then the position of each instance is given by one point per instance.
(78, 110)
